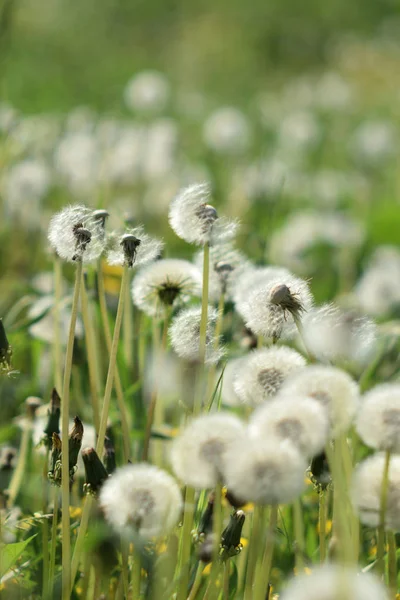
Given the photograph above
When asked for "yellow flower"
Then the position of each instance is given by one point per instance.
(112, 279)
(75, 512)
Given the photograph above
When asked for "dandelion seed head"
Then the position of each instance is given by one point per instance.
(76, 234)
(226, 265)
(265, 471)
(195, 220)
(378, 418)
(147, 91)
(250, 279)
(261, 374)
(301, 420)
(227, 131)
(198, 454)
(184, 333)
(333, 388)
(166, 282)
(132, 247)
(367, 488)
(141, 499)
(229, 396)
(378, 289)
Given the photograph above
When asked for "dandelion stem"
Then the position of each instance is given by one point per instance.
(392, 564)
(56, 315)
(263, 572)
(322, 525)
(65, 478)
(382, 514)
(299, 534)
(45, 528)
(217, 530)
(184, 559)
(80, 539)
(340, 502)
(136, 574)
(226, 580)
(53, 545)
(204, 302)
(253, 551)
(127, 334)
(218, 330)
(19, 472)
(197, 582)
(125, 422)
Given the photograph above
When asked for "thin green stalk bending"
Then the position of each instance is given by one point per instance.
(185, 545)
(382, 514)
(264, 569)
(218, 330)
(112, 364)
(322, 526)
(392, 564)
(197, 582)
(127, 330)
(66, 540)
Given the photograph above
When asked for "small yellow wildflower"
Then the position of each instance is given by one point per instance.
(75, 512)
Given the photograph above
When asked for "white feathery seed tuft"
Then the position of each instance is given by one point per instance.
(262, 372)
(264, 471)
(132, 247)
(367, 489)
(228, 395)
(301, 420)
(198, 454)
(166, 282)
(251, 279)
(141, 499)
(76, 234)
(226, 265)
(331, 387)
(194, 220)
(378, 418)
(184, 333)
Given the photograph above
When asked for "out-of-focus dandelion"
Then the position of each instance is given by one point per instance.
(378, 289)
(227, 131)
(226, 265)
(229, 396)
(378, 418)
(184, 334)
(147, 91)
(132, 247)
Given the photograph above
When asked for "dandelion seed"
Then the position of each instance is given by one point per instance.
(166, 282)
(333, 582)
(194, 220)
(367, 490)
(76, 235)
(302, 421)
(198, 454)
(184, 333)
(264, 471)
(226, 265)
(332, 388)
(261, 374)
(132, 247)
(378, 418)
(141, 499)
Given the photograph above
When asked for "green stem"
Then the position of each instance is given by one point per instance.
(125, 569)
(218, 330)
(45, 528)
(53, 545)
(136, 575)
(300, 329)
(263, 572)
(392, 564)
(127, 334)
(56, 315)
(112, 364)
(322, 526)
(197, 582)
(299, 534)
(65, 479)
(19, 471)
(382, 514)
(81, 537)
(217, 531)
(226, 580)
(186, 538)
(254, 544)
(204, 302)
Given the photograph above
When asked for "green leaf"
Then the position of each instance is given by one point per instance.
(10, 553)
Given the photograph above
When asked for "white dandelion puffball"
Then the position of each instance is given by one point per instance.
(227, 131)
(301, 420)
(147, 91)
(332, 582)
(76, 234)
(226, 265)
(262, 372)
(194, 220)
(251, 279)
(184, 333)
(198, 454)
(132, 247)
(331, 387)
(270, 308)
(378, 419)
(166, 282)
(44, 327)
(229, 396)
(367, 489)
(141, 499)
(265, 471)
(378, 290)
(331, 333)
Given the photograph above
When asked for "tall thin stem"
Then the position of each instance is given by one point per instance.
(392, 564)
(45, 527)
(53, 544)
(127, 333)
(299, 534)
(204, 302)
(19, 472)
(56, 315)
(322, 526)
(253, 551)
(66, 540)
(184, 558)
(81, 536)
(217, 530)
(382, 514)
(263, 572)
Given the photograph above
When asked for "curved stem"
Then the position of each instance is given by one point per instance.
(382, 514)
(197, 582)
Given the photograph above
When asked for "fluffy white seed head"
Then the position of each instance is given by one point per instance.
(227, 131)
(251, 279)
(132, 247)
(331, 387)
(184, 333)
(333, 582)
(270, 308)
(265, 471)
(195, 220)
(301, 420)
(229, 396)
(198, 454)
(367, 488)
(261, 374)
(141, 499)
(378, 419)
(166, 282)
(76, 234)
(378, 290)
(147, 91)
(226, 265)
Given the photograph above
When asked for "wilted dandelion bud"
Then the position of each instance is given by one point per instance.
(264, 471)
(53, 418)
(164, 283)
(109, 456)
(76, 234)
(319, 471)
(378, 418)
(184, 333)
(230, 539)
(95, 472)
(333, 582)
(334, 389)
(198, 453)
(141, 499)
(206, 519)
(194, 220)
(302, 421)
(226, 265)
(5, 350)
(75, 443)
(101, 216)
(132, 248)
(367, 490)
(261, 374)
(272, 309)
(54, 473)
(206, 550)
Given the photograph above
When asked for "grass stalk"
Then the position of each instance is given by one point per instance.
(197, 582)
(299, 534)
(264, 569)
(217, 531)
(392, 564)
(45, 528)
(53, 543)
(183, 566)
(80, 538)
(254, 544)
(57, 349)
(19, 471)
(322, 525)
(380, 563)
